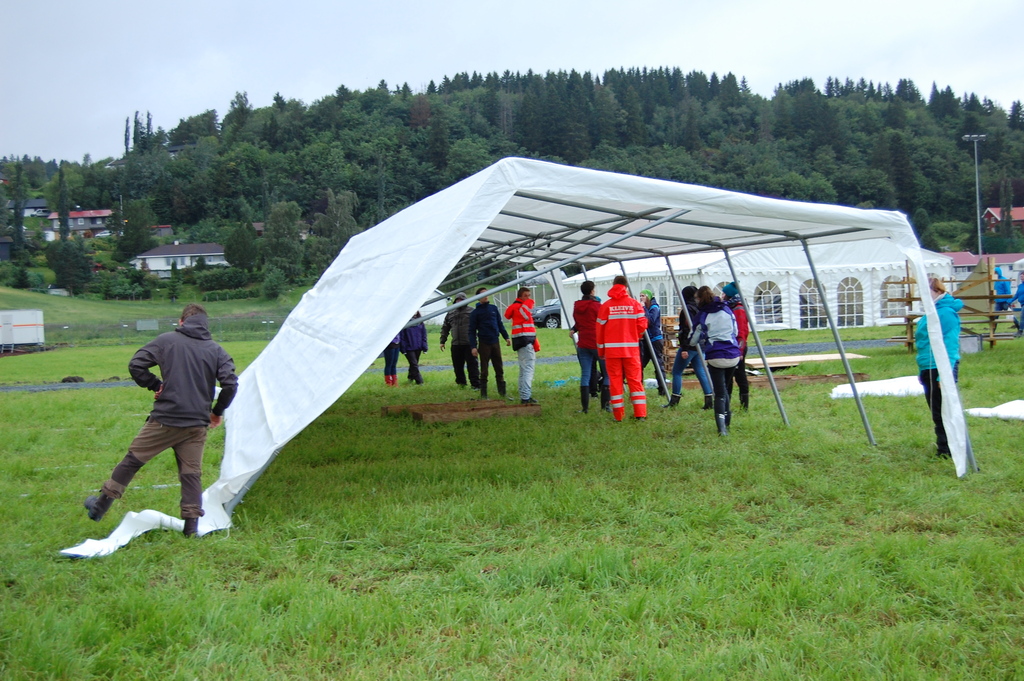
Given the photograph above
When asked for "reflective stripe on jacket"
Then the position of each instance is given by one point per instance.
(620, 323)
(520, 313)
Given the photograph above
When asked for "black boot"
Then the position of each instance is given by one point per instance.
(720, 420)
(606, 398)
(483, 389)
(585, 399)
(191, 526)
(745, 400)
(709, 402)
(501, 388)
(98, 506)
(672, 402)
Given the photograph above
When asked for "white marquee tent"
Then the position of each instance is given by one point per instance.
(860, 278)
(514, 214)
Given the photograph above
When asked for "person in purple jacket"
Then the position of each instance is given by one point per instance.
(412, 342)
(715, 330)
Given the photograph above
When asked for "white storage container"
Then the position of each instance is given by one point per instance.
(21, 327)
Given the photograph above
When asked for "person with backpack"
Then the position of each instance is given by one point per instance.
(739, 310)
(715, 330)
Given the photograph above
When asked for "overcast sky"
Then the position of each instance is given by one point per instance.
(75, 70)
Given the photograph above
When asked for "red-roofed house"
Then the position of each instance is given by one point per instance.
(964, 263)
(993, 216)
(84, 222)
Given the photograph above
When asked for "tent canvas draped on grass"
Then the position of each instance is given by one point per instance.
(516, 211)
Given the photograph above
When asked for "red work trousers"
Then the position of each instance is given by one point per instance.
(630, 368)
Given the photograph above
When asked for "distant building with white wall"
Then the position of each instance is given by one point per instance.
(159, 260)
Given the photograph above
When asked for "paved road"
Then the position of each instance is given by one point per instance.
(772, 349)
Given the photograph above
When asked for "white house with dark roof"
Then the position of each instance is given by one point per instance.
(159, 260)
(32, 208)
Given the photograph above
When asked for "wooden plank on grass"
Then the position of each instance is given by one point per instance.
(397, 409)
(793, 360)
(504, 410)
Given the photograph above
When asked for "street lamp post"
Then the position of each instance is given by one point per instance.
(977, 183)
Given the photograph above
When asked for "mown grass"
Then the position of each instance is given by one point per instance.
(559, 547)
(65, 310)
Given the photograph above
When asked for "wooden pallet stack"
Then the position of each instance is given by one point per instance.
(670, 334)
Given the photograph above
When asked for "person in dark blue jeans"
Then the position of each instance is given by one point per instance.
(653, 312)
(485, 329)
(687, 356)
(391, 362)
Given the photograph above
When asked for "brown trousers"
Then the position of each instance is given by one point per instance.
(154, 438)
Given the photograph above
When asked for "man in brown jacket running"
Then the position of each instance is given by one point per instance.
(191, 364)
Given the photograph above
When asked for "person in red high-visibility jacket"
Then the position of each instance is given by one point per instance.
(524, 341)
(620, 324)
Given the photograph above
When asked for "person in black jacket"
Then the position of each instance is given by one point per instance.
(456, 323)
(485, 323)
(191, 364)
(687, 355)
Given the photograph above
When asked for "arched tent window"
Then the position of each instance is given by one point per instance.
(717, 290)
(767, 303)
(663, 297)
(812, 312)
(850, 298)
(893, 291)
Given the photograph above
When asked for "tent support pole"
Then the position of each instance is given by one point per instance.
(689, 320)
(556, 284)
(839, 343)
(659, 370)
(550, 268)
(757, 339)
(547, 256)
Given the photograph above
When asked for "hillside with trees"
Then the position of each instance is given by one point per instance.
(351, 159)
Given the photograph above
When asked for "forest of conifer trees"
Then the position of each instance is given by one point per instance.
(850, 142)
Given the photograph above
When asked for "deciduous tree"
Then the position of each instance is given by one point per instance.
(71, 265)
(136, 233)
(282, 245)
(240, 247)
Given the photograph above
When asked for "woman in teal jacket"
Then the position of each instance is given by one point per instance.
(948, 309)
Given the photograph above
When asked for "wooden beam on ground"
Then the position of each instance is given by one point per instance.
(793, 360)
(398, 409)
(503, 411)
(462, 411)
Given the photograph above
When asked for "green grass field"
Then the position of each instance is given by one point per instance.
(559, 547)
(64, 310)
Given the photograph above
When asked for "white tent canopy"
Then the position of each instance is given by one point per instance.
(511, 215)
(859, 278)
